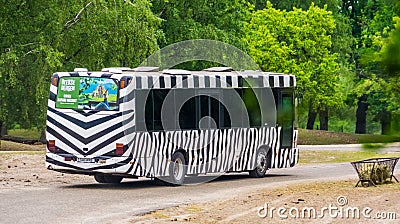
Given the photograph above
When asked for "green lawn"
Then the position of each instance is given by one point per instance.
(317, 137)
(25, 133)
(306, 137)
(315, 157)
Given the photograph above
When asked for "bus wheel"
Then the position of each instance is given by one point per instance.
(262, 164)
(107, 178)
(177, 169)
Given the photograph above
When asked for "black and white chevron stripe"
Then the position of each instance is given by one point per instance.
(90, 134)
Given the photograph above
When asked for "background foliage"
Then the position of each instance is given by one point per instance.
(343, 52)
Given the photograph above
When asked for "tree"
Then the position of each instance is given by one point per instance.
(384, 58)
(389, 56)
(375, 23)
(342, 41)
(298, 42)
(39, 38)
(221, 20)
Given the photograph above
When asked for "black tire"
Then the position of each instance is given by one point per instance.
(177, 169)
(99, 178)
(107, 178)
(262, 164)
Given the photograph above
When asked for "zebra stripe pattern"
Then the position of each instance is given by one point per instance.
(94, 134)
(209, 151)
(158, 80)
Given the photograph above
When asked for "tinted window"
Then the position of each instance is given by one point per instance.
(188, 115)
(252, 107)
(185, 102)
(286, 117)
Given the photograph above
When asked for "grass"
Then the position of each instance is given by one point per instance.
(33, 133)
(318, 137)
(160, 215)
(193, 208)
(316, 157)
(306, 137)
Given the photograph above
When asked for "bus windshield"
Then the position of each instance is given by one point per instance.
(87, 93)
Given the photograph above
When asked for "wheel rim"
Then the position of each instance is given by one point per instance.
(261, 162)
(178, 169)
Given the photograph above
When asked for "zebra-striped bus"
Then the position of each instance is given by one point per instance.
(170, 124)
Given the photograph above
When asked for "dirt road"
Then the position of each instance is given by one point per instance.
(31, 194)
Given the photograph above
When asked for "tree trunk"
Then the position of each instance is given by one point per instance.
(43, 136)
(312, 115)
(386, 119)
(395, 123)
(3, 129)
(323, 119)
(361, 115)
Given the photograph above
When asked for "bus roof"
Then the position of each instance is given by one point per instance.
(177, 78)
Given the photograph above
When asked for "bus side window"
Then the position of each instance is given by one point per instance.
(252, 106)
(233, 108)
(185, 102)
(208, 107)
(154, 109)
(143, 107)
(159, 96)
(286, 117)
(149, 111)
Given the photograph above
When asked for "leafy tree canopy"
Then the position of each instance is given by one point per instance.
(40, 37)
(297, 42)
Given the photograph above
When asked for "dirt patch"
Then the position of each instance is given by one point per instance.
(318, 137)
(20, 170)
(14, 146)
(244, 209)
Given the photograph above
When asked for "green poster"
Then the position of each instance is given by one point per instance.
(68, 93)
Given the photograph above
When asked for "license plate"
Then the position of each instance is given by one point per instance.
(85, 160)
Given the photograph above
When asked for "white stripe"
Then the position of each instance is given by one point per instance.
(213, 81)
(133, 83)
(266, 81)
(53, 89)
(276, 81)
(83, 74)
(156, 82)
(235, 82)
(51, 104)
(190, 81)
(286, 81)
(223, 82)
(167, 80)
(144, 80)
(63, 74)
(179, 81)
(201, 81)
